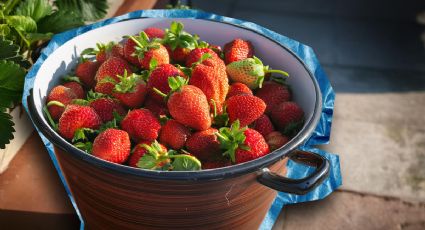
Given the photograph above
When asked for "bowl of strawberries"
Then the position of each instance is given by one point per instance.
(161, 122)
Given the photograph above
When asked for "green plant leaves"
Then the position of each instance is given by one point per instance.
(22, 23)
(60, 21)
(11, 83)
(89, 10)
(183, 162)
(36, 9)
(6, 127)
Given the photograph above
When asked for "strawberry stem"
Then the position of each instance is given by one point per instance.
(277, 71)
(52, 123)
(57, 103)
(157, 91)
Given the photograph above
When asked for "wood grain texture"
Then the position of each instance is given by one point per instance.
(112, 200)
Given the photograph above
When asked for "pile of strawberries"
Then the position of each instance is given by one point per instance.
(165, 100)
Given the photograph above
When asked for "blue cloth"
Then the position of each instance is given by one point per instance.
(320, 135)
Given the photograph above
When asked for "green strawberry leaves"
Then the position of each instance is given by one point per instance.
(158, 159)
(128, 83)
(36, 9)
(231, 139)
(6, 127)
(175, 37)
(89, 10)
(143, 44)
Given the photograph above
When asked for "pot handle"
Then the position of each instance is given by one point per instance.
(297, 186)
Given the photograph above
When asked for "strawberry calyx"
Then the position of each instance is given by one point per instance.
(232, 138)
(71, 78)
(175, 37)
(56, 103)
(222, 119)
(128, 83)
(143, 44)
(158, 159)
(100, 47)
(175, 83)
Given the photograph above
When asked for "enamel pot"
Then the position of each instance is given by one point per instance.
(112, 196)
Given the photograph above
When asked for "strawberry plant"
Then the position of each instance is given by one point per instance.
(25, 27)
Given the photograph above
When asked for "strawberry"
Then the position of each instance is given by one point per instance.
(76, 88)
(129, 52)
(250, 71)
(155, 158)
(157, 108)
(154, 32)
(105, 51)
(76, 117)
(86, 72)
(263, 125)
(105, 108)
(112, 145)
(159, 79)
(188, 105)
(285, 114)
(139, 151)
(237, 50)
(108, 72)
(216, 164)
(273, 93)
(179, 43)
(174, 135)
(213, 81)
(196, 54)
(245, 107)
(276, 140)
(147, 50)
(242, 144)
(217, 49)
(238, 88)
(58, 98)
(131, 90)
(141, 124)
(204, 144)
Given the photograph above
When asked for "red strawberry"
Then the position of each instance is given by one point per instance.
(131, 90)
(86, 72)
(276, 140)
(213, 81)
(109, 50)
(154, 32)
(76, 88)
(217, 49)
(188, 105)
(76, 117)
(105, 108)
(238, 88)
(139, 151)
(159, 79)
(174, 135)
(141, 124)
(147, 50)
(263, 125)
(129, 52)
(196, 55)
(237, 50)
(249, 143)
(216, 164)
(286, 113)
(245, 108)
(108, 72)
(273, 94)
(112, 145)
(179, 43)
(58, 98)
(157, 108)
(204, 144)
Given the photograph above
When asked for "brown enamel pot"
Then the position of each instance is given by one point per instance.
(112, 196)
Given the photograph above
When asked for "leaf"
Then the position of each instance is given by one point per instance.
(60, 21)
(22, 23)
(36, 9)
(90, 10)
(6, 127)
(4, 30)
(35, 37)
(11, 83)
(10, 52)
(185, 162)
(147, 162)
